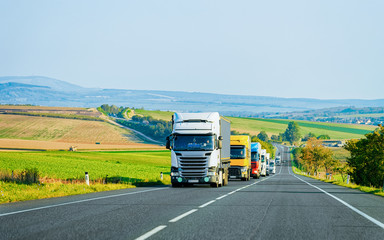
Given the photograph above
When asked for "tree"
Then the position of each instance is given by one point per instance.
(324, 137)
(314, 155)
(263, 136)
(367, 158)
(292, 133)
(308, 136)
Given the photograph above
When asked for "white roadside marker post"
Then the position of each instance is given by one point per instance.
(87, 178)
(348, 179)
(161, 175)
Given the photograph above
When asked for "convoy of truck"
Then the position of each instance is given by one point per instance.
(203, 151)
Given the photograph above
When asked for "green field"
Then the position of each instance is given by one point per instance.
(275, 126)
(131, 167)
(161, 115)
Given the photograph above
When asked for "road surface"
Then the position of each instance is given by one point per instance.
(281, 206)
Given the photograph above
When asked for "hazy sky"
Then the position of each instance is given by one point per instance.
(318, 49)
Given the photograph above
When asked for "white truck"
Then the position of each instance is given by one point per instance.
(263, 158)
(267, 160)
(200, 149)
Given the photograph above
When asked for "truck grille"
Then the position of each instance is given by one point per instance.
(193, 166)
(234, 172)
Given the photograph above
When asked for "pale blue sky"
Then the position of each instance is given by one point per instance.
(317, 49)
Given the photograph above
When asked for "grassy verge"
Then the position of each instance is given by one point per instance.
(62, 173)
(13, 192)
(337, 179)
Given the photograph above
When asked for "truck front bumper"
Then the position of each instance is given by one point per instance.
(196, 180)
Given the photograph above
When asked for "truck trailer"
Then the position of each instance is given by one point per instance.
(200, 149)
(263, 162)
(240, 157)
(255, 160)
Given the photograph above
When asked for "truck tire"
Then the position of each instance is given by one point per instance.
(176, 185)
(215, 185)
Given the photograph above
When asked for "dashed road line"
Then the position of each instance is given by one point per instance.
(182, 216)
(152, 232)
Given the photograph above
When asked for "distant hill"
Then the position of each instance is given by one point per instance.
(38, 90)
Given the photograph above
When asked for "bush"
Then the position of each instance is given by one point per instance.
(26, 176)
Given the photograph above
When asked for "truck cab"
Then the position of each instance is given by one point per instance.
(240, 157)
(255, 160)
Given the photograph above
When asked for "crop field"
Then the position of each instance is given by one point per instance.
(274, 126)
(131, 167)
(340, 154)
(161, 115)
(61, 130)
(51, 110)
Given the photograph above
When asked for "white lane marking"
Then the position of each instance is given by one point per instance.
(152, 232)
(206, 204)
(226, 195)
(80, 201)
(182, 216)
(378, 223)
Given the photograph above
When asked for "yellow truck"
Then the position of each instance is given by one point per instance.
(240, 157)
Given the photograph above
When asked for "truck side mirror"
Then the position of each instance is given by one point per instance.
(168, 143)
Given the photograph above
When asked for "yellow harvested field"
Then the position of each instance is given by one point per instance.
(55, 110)
(29, 132)
(19, 144)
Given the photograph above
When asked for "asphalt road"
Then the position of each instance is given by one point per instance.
(281, 206)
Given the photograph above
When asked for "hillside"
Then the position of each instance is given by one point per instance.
(45, 91)
(33, 132)
(275, 126)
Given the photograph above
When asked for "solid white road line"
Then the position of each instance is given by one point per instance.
(80, 201)
(226, 195)
(152, 232)
(378, 223)
(206, 204)
(182, 215)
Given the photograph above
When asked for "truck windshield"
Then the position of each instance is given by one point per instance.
(262, 158)
(271, 164)
(238, 152)
(254, 157)
(193, 143)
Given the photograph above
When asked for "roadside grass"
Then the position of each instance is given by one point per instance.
(13, 192)
(338, 180)
(161, 115)
(62, 173)
(276, 126)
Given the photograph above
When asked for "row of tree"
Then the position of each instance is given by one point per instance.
(365, 164)
(154, 128)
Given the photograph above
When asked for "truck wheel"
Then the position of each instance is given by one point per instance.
(176, 185)
(215, 185)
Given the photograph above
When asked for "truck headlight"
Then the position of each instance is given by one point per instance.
(211, 173)
(243, 169)
(175, 174)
